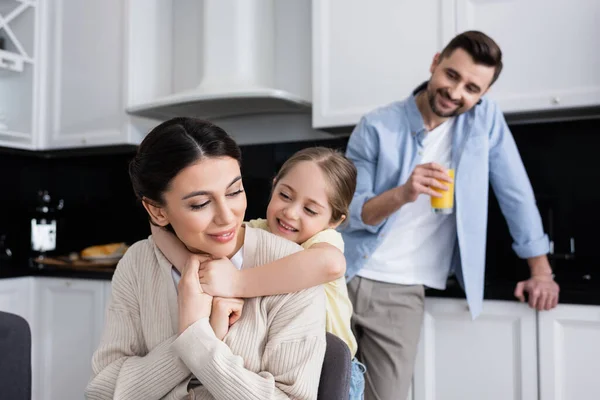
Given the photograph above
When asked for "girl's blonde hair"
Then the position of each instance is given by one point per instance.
(338, 170)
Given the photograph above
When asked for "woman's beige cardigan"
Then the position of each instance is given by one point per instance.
(275, 350)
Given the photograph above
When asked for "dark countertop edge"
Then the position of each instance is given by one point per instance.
(13, 272)
(569, 294)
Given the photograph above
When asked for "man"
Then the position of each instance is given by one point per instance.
(396, 245)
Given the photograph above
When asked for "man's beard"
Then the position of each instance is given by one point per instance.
(431, 97)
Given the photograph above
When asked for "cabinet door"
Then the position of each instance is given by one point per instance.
(71, 316)
(492, 358)
(106, 287)
(569, 352)
(84, 103)
(18, 72)
(548, 61)
(368, 54)
(16, 297)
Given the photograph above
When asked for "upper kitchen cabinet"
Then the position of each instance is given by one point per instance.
(19, 72)
(549, 51)
(62, 74)
(368, 54)
(218, 59)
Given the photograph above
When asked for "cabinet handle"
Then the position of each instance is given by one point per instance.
(555, 100)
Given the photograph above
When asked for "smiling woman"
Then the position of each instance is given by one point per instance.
(207, 220)
(187, 176)
(164, 337)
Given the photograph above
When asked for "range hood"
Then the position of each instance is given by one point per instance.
(238, 67)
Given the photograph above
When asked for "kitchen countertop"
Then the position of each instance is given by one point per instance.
(570, 293)
(15, 272)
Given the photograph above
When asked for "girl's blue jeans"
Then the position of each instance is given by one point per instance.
(357, 380)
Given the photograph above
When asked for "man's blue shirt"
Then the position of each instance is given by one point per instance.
(385, 148)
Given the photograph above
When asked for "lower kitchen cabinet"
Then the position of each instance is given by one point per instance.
(66, 317)
(491, 358)
(16, 297)
(569, 342)
(71, 316)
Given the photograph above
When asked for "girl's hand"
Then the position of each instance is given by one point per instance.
(221, 278)
(192, 302)
(225, 312)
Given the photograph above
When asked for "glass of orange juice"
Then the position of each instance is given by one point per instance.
(444, 204)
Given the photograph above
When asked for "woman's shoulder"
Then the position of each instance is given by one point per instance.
(140, 248)
(140, 254)
(263, 247)
(266, 238)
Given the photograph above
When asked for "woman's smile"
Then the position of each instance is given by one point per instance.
(223, 237)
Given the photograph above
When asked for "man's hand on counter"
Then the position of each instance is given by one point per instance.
(542, 292)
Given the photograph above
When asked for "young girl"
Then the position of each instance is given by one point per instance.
(310, 198)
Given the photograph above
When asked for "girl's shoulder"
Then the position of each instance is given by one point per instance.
(259, 223)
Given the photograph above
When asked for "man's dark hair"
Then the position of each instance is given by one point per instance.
(480, 47)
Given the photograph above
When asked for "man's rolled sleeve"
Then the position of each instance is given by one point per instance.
(356, 221)
(514, 192)
(533, 248)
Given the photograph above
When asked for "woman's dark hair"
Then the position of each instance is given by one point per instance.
(482, 48)
(172, 146)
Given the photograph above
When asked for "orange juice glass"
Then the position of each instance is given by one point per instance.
(444, 204)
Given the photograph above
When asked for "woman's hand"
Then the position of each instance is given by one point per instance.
(221, 278)
(193, 303)
(225, 312)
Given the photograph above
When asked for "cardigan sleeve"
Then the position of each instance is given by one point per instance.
(291, 362)
(122, 366)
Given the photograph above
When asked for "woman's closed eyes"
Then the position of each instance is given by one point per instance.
(196, 207)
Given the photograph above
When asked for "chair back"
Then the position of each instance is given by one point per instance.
(334, 383)
(15, 357)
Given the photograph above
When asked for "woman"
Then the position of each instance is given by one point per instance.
(164, 337)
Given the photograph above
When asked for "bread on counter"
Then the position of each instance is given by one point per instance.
(111, 250)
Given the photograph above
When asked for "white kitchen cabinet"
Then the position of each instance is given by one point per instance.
(19, 72)
(569, 352)
(106, 287)
(368, 54)
(71, 316)
(65, 86)
(547, 50)
(16, 297)
(492, 358)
